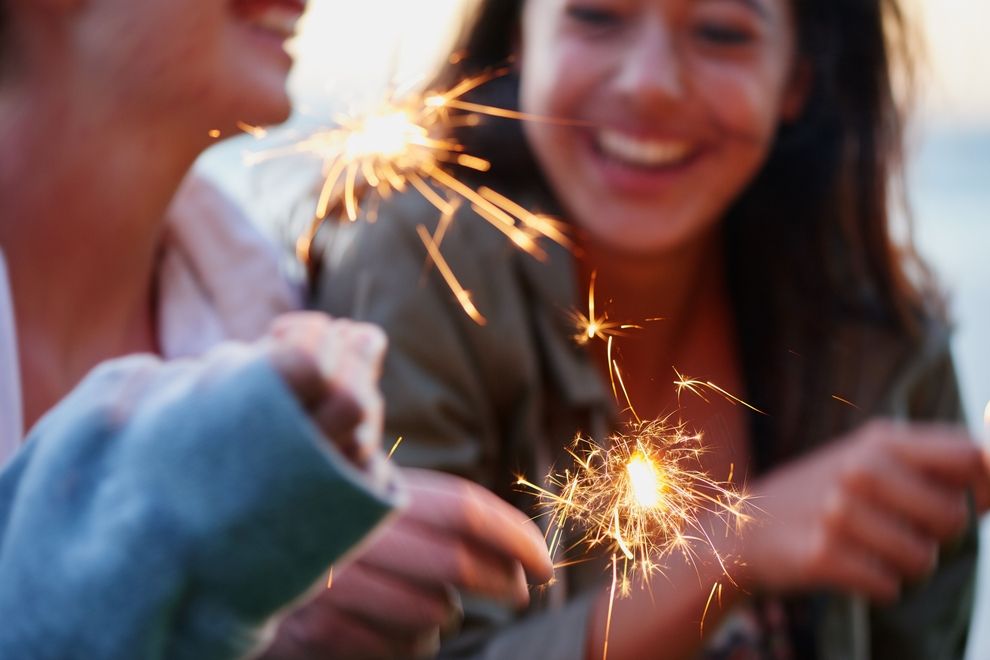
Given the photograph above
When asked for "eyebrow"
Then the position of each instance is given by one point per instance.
(758, 6)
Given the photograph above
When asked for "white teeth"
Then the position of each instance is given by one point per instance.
(280, 20)
(648, 153)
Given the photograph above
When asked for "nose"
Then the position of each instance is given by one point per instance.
(650, 69)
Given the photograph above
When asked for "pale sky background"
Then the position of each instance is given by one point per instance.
(355, 43)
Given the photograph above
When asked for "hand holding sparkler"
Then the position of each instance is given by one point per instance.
(865, 515)
(333, 367)
(395, 597)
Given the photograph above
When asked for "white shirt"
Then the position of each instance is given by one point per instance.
(218, 279)
(11, 425)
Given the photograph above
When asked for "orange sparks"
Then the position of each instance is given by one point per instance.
(591, 326)
(462, 295)
(642, 497)
(696, 386)
(394, 447)
(845, 401)
(395, 147)
(257, 132)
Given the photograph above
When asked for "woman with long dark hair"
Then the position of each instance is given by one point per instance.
(731, 167)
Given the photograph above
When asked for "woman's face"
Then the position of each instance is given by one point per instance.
(681, 100)
(212, 62)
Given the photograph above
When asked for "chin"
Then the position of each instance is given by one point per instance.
(265, 103)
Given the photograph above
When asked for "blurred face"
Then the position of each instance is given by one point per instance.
(212, 62)
(682, 99)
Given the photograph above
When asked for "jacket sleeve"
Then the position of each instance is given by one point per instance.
(444, 373)
(168, 510)
(931, 620)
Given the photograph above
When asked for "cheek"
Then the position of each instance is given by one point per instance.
(171, 58)
(743, 103)
(555, 76)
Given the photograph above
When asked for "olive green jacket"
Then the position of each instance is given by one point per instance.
(492, 401)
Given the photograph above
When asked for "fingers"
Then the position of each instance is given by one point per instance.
(861, 573)
(387, 603)
(885, 537)
(429, 558)
(320, 631)
(299, 371)
(351, 360)
(447, 502)
(337, 414)
(941, 452)
(347, 359)
(932, 507)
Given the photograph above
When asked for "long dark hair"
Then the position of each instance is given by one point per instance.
(817, 220)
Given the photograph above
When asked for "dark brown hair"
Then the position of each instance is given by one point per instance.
(816, 221)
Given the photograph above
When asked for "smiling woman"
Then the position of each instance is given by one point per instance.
(727, 165)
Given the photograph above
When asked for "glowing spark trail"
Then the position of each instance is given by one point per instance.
(591, 326)
(643, 497)
(396, 146)
(696, 386)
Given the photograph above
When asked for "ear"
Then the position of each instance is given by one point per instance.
(797, 91)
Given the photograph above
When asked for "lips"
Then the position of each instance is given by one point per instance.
(642, 152)
(275, 17)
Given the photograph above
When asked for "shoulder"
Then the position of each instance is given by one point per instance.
(218, 276)
(412, 258)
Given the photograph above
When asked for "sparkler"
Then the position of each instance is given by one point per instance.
(395, 147)
(641, 498)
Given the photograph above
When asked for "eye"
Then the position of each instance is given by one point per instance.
(719, 34)
(591, 16)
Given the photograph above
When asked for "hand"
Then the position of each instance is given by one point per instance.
(333, 367)
(394, 598)
(866, 514)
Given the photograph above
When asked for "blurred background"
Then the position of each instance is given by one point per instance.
(348, 53)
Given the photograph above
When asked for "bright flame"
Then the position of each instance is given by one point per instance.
(644, 480)
(386, 136)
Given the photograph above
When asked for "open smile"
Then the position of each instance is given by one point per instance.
(275, 18)
(642, 152)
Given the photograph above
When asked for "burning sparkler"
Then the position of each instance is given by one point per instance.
(642, 497)
(396, 146)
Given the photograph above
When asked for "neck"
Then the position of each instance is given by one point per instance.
(85, 191)
(656, 285)
(678, 301)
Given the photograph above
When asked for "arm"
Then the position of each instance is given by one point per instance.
(931, 620)
(867, 515)
(450, 387)
(166, 510)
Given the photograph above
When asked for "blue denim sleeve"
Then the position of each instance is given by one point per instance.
(168, 510)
